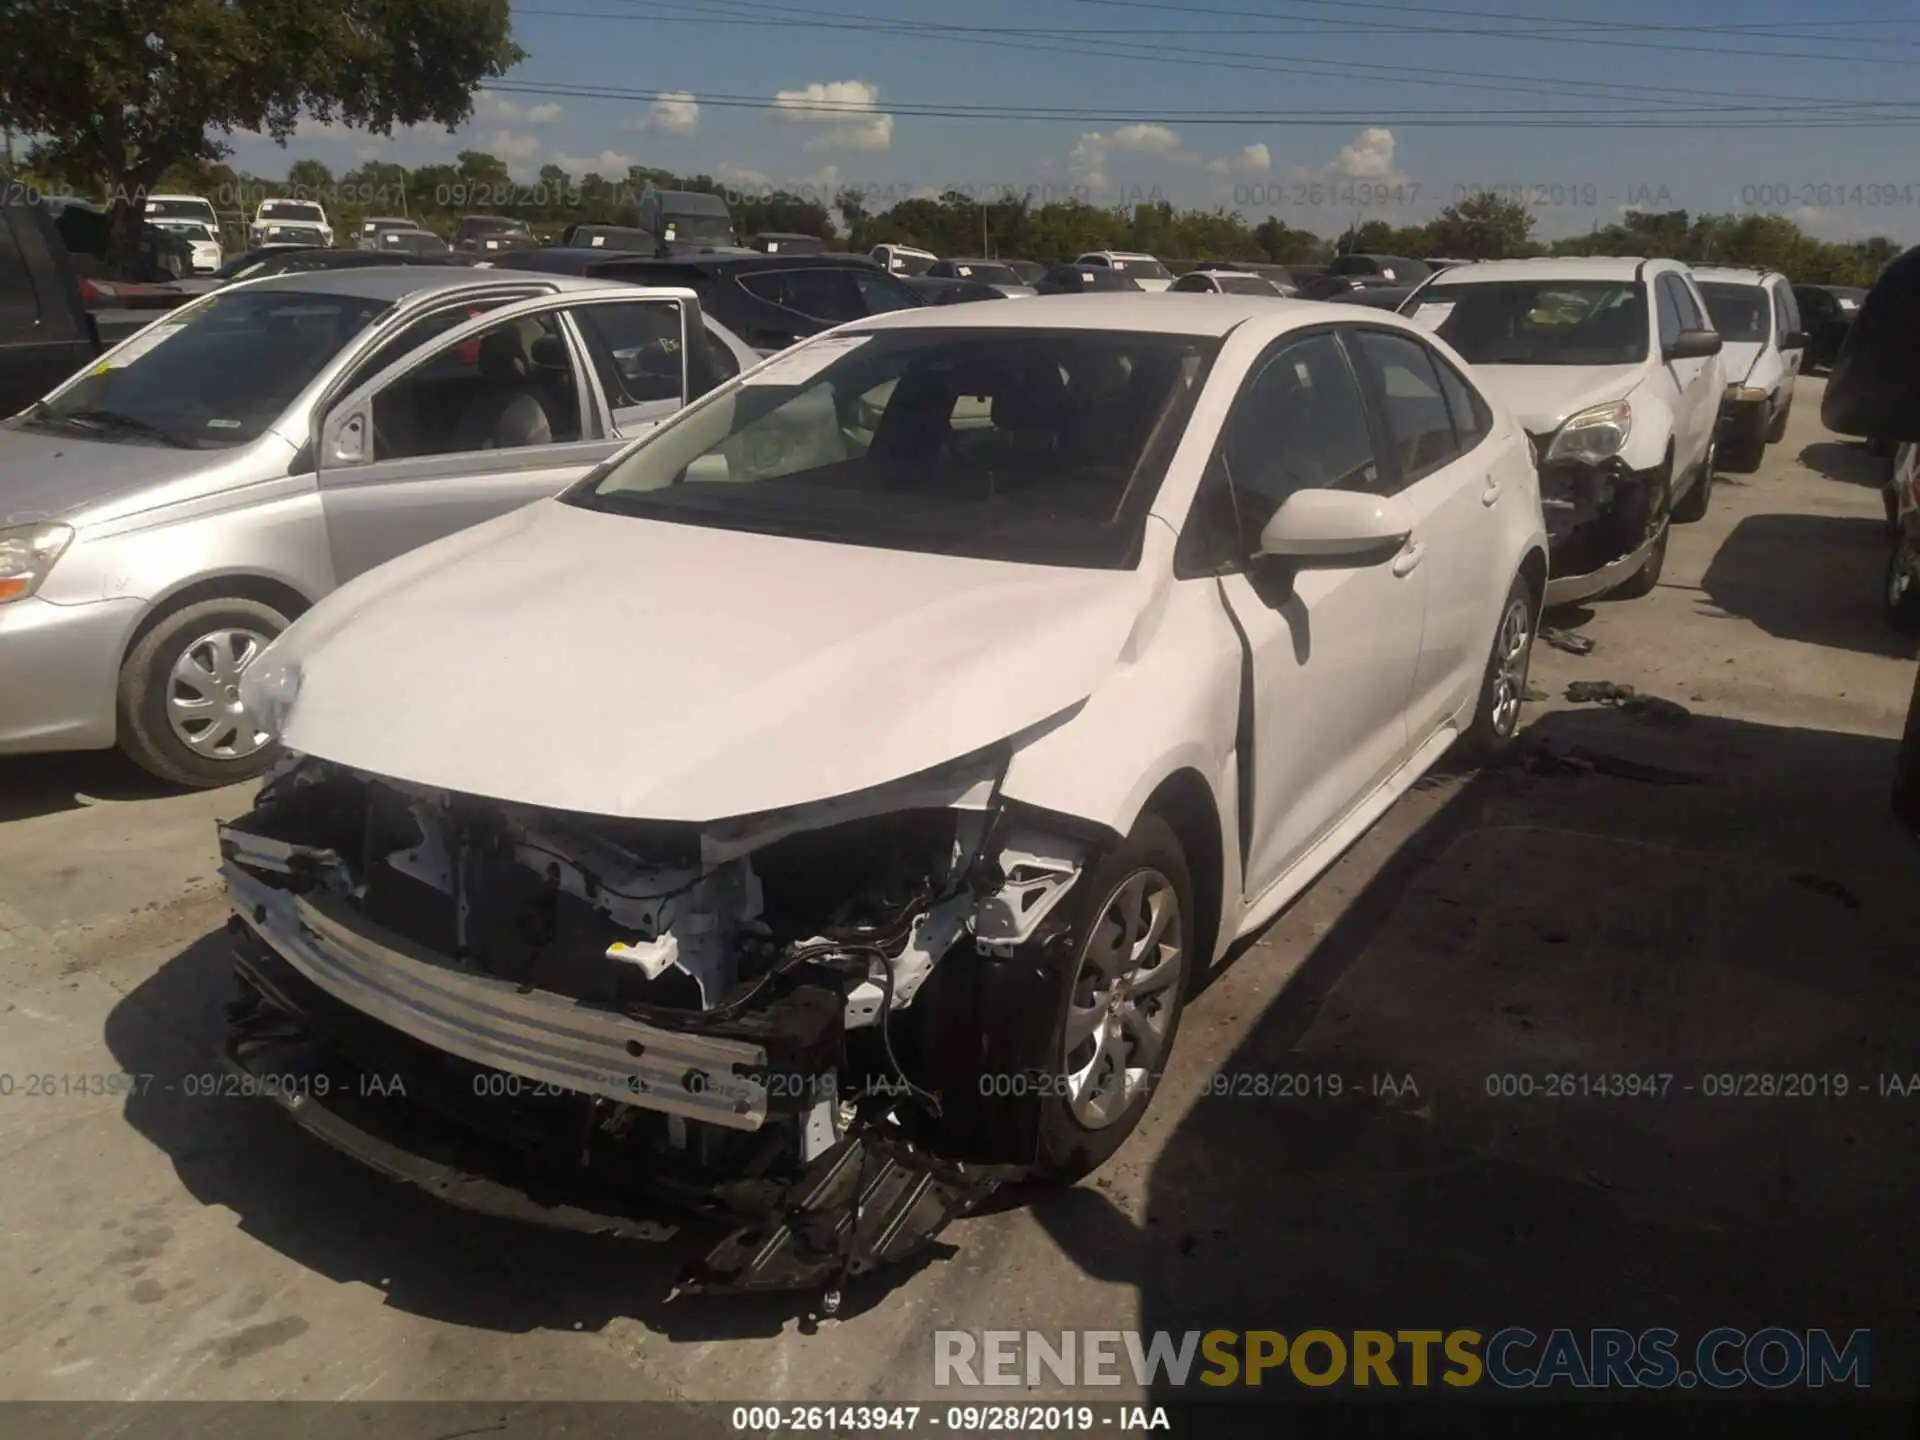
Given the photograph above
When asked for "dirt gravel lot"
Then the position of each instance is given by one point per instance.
(1760, 920)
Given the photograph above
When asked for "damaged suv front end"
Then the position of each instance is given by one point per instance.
(640, 1019)
(1605, 516)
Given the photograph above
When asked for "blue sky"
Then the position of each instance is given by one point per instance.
(1127, 71)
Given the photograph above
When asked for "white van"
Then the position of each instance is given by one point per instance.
(902, 259)
(1759, 321)
(1145, 271)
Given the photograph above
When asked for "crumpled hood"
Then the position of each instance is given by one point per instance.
(57, 477)
(1543, 397)
(581, 661)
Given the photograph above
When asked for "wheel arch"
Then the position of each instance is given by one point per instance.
(1185, 802)
(235, 585)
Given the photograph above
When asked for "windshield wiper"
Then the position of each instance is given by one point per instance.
(117, 420)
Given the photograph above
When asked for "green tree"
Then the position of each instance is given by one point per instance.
(311, 179)
(1482, 227)
(121, 90)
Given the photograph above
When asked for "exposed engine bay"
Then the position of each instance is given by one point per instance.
(733, 1020)
(1599, 516)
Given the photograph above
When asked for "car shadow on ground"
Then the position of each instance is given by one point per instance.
(1813, 578)
(32, 785)
(1456, 1146)
(1849, 462)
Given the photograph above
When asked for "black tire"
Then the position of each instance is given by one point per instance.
(1742, 453)
(1900, 590)
(1496, 714)
(1643, 580)
(1777, 431)
(147, 736)
(1070, 1149)
(1692, 506)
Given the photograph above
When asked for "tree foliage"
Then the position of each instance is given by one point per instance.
(118, 92)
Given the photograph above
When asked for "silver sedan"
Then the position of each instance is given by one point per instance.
(169, 510)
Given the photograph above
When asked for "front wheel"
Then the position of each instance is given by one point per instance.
(1496, 717)
(1643, 580)
(1693, 505)
(1121, 1008)
(180, 712)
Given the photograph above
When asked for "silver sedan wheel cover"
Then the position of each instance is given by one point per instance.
(1512, 650)
(203, 695)
(1122, 1004)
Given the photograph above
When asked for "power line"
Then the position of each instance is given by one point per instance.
(1542, 119)
(1180, 55)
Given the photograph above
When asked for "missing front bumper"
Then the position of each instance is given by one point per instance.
(1604, 521)
(382, 1098)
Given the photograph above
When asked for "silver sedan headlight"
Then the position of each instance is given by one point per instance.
(27, 553)
(1597, 433)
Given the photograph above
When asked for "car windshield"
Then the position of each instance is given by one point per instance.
(986, 272)
(295, 235)
(1245, 285)
(214, 376)
(1142, 269)
(191, 229)
(292, 210)
(1539, 322)
(685, 229)
(1026, 445)
(903, 264)
(158, 210)
(1738, 312)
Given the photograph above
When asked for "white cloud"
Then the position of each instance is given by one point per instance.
(608, 164)
(512, 145)
(1251, 160)
(1145, 140)
(1088, 162)
(743, 176)
(673, 112)
(851, 119)
(489, 106)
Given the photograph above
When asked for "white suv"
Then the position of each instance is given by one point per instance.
(1614, 369)
(1145, 271)
(274, 214)
(1759, 321)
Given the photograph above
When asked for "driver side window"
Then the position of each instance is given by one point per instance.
(1299, 424)
(509, 387)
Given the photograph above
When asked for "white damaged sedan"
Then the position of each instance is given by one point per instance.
(820, 813)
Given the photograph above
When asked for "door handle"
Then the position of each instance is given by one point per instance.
(1404, 562)
(1492, 491)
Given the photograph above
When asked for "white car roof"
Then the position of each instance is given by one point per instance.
(199, 198)
(1122, 254)
(1158, 312)
(1735, 275)
(1564, 267)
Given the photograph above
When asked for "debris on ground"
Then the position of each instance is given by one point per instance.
(1566, 640)
(1542, 758)
(1832, 889)
(1628, 701)
(1533, 693)
(1602, 692)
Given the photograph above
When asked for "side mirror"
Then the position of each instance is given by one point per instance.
(346, 438)
(1794, 340)
(1694, 345)
(1337, 525)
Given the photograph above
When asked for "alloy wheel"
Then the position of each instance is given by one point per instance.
(1124, 999)
(1512, 652)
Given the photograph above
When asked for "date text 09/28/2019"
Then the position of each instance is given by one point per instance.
(974, 1419)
